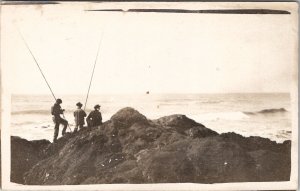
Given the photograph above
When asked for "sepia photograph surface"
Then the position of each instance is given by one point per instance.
(145, 96)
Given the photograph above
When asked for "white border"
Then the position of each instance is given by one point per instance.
(292, 184)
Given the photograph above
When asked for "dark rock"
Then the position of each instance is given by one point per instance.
(184, 125)
(218, 160)
(271, 166)
(255, 143)
(24, 155)
(127, 117)
(201, 131)
(129, 148)
(167, 166)
(177, 120)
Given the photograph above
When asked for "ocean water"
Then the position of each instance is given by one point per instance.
(246, 114)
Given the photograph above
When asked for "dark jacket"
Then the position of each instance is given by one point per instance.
(56, 110)
(94, 118)
(79, 115)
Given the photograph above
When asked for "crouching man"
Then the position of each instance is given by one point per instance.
(94, 118)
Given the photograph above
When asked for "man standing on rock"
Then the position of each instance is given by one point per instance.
(94, 118)
(56, 111)
(79, 115)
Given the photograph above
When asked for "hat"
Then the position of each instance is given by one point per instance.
(58, 101)
(97, 106)
(79, 104)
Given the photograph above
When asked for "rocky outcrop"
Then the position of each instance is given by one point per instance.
(25, 154)
(129, 148)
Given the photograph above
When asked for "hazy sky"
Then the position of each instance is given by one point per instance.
(160, 53)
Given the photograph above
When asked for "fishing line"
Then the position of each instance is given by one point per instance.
(37, 64)
(87, 96)
(40, 71)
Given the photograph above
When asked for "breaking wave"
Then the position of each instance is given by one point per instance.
(219, 116)
(26, 112)
(267, 111)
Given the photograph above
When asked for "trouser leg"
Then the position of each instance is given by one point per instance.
(89, 123)
(76, 128)
(56, 129)
(92, 124)
(65, 123)
(81, 126)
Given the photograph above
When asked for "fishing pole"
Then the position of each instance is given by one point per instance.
(37, 65)
(87, 96)
(40, 70)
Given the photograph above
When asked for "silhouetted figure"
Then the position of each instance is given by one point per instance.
(56, 111)
(79, 115)
(94, 118)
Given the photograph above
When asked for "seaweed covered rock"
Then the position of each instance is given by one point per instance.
(129, 148)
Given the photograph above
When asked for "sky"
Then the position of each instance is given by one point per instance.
(139, 52)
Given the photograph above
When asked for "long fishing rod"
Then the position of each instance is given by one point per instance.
(87, 95)
(37, 65)
(40, 71)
